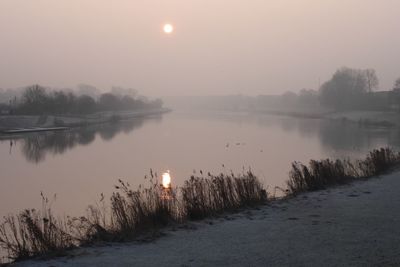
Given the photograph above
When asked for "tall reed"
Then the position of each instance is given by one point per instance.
(34, 233)
(324, 173)
(132, 213)
(203, 197)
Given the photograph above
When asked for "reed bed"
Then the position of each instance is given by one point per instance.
(204, 197)
(131, 214)
(35, 233)
(324, 173)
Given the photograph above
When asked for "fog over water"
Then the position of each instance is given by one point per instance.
(218, 46)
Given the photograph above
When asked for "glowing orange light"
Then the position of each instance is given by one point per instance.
(166, 180)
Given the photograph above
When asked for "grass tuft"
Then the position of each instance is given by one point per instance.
(324, 173)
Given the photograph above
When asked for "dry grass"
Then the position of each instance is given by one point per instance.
(132, 214)
(138, 211)
(379, 161)
(204, 197)
(34, 233)
(324, 173)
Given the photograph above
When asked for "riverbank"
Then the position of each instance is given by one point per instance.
(368, 118)
(30, 123)
(365, 118)
(351, 225)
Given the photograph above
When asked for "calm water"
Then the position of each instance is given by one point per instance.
(80, 164)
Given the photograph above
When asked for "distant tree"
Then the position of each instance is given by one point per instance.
(395, 95)
(34, 95)
(371, 79)
(396, 85)
(120, 91)
(35, 99)
(60, 102)
(109, 101)
(72, 98)
(85, 104)
(344, 89)
(128, 102)
(90, 90)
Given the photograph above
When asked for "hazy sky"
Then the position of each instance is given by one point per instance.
(218, 47)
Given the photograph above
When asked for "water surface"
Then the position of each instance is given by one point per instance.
(79, 164)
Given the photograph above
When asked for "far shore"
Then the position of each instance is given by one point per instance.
(349, 225)
(366, 118)
(10, 124)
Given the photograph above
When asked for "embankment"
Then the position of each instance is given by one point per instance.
(20, 122)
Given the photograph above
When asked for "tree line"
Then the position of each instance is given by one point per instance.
(351, 89)
(36, 100)
(348, 89)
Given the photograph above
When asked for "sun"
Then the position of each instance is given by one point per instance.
(168, 28)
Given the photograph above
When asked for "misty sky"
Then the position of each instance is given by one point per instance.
(218, 47)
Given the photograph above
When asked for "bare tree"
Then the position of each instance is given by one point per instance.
(371, 79)
(396, 85)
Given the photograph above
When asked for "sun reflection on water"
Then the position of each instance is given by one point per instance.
(166, 180)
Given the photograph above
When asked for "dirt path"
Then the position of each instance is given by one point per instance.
(356, 225)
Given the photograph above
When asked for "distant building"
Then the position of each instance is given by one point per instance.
(395, 99)
(385, 100)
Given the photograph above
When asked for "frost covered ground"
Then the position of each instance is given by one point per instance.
(353, 225)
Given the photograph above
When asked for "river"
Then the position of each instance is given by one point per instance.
(73, 167)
